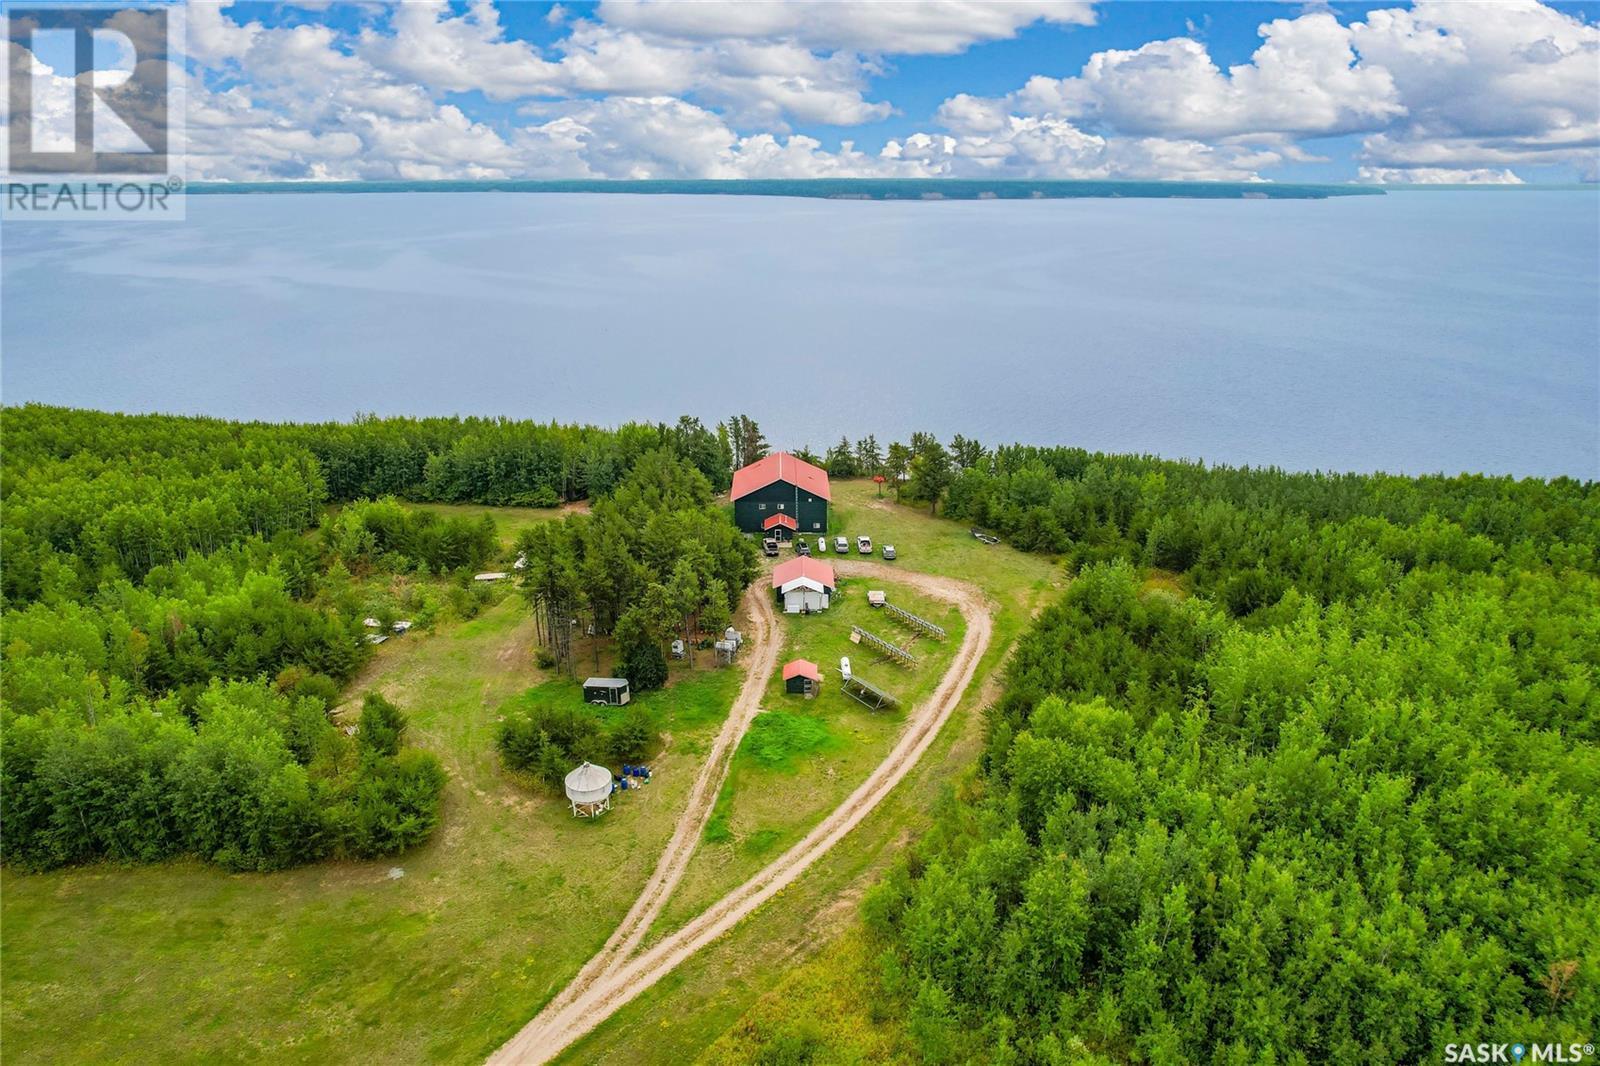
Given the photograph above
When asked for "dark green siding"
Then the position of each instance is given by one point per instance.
(810, 511)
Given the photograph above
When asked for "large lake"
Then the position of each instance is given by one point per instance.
(1414, 332)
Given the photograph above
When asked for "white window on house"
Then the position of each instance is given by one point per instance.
(761, 507)
(780, 506)
(816, 525)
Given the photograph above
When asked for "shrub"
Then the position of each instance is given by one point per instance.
(382, 726)
(644, 666)
(632, 738)
(394, 804)
(547, 740)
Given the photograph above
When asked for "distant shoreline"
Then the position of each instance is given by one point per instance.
(898, 189)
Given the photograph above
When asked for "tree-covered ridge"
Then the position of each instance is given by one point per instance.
(1341, 804)
(90, 495)
(1186, 514)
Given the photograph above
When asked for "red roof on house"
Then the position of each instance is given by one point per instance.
(781, 466)
(801, 668)
(781, 520)
(803, 567)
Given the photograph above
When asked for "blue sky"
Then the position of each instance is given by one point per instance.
(1429, 92)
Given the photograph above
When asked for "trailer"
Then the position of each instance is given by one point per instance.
(610, 691)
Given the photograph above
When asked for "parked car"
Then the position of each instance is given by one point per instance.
(841, 545)
(802, 548)
(864, 545)
(769, 546)
(888, 551)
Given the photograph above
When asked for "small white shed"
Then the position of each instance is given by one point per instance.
(804, 585)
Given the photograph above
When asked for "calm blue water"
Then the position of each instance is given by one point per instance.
(1419, 332)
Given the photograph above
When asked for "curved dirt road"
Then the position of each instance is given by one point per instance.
(692, 822)
(612, 979)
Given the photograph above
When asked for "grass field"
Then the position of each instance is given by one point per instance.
(790, 965)
(803, 757)
(348, 962)
(509, 521)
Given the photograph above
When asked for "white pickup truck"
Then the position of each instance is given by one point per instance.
(864, 545)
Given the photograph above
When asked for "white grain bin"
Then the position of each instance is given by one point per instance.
(589, 790)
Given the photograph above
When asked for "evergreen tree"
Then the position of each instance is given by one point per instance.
(931, 471)
(841, 460)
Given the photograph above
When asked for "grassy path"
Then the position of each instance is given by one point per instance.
(691, 824)
(573, 1016)
(804, 931)
(803, 757)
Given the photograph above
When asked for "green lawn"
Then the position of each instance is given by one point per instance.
(803, 757)
(345, 962)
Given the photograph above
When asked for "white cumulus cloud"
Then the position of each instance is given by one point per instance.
(1439, 91)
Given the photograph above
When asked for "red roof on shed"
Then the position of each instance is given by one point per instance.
(801, 668)
(803, 567)
(781, 520)
(781, 466)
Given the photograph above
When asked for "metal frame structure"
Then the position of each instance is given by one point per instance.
(892, 651)
(866, 693)
(915, 621)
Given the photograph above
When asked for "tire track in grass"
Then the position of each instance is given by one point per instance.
(616, 975)
(674, 860)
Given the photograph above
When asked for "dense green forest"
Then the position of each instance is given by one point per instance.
(1331, 795)
(90, 495)
(182, 610)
